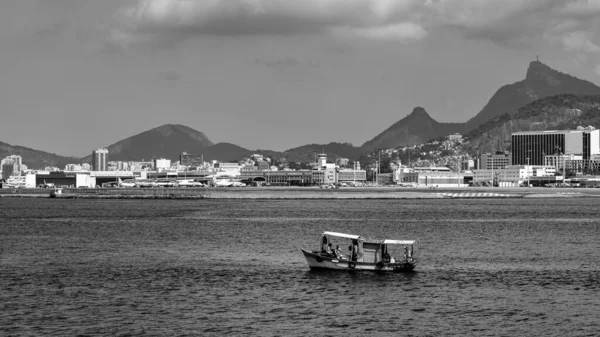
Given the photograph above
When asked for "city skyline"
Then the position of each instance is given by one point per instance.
(79, 75)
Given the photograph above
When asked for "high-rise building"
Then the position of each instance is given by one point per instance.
(14, 166)
(530, 147)
(8, 169)
(100, 160)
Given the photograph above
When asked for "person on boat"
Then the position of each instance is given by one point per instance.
(330, 250)
(354, 249)
(406, 253)
(338, 252)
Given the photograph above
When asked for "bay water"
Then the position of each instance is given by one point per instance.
(488, 267)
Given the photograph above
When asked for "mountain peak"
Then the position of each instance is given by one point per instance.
(419, 111)
(168, 130)
(537, 70)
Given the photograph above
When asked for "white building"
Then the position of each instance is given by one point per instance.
(231, 169)
(513, 175)
(162, 164)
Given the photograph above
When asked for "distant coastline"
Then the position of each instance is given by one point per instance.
(275, 193)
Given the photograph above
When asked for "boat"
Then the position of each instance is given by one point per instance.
(363, 254)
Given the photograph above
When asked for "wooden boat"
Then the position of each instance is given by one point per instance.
(362, 254)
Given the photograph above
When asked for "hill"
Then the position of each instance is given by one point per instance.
(306, 153)
(558, 112)
(166, 141)
(540, 81)
(416, 128)
(35, 159)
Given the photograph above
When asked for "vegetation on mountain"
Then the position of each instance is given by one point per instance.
(416, 128)
(551, 113)
(34, 158)
(540, 81)
(333, 150)
(166, 141)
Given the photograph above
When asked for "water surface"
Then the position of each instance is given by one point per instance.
(217, 267)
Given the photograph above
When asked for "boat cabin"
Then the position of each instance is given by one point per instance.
(366, 250)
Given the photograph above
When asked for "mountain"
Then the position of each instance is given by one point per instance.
(540, 81)
(416, 128)
(225, 152)
(166, 141)
(35, 159)
(306, 153)
(559, 112)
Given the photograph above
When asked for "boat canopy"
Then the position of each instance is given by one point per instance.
(342, 235)
(398, 242)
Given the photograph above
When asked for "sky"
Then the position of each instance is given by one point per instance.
(76, 75)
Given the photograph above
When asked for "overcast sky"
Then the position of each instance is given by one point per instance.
(76, 75)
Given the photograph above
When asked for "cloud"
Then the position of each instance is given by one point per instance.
(404, 31)
(180, 19)
(579, 41)
(565, 23)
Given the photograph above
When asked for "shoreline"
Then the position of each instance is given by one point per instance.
(292, 193)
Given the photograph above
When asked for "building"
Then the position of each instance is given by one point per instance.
(436, 178)
(162, 164)
(495, 161)
(11, 165)
(12, 158)
(561, 161)
(515, 175)
(530, 147)
(232, 169)
(283, 178)
(455, 136)
(321, 160)
(188, 159)
(100, 159)
(262, 165)
(8, 169)
(352, 175)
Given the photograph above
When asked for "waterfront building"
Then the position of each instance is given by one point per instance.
(431, 176)
(284, 178)
(456, 136)
(495, 161)
(514, 175)
(352, 175)
(561, 161)
(100, 159)
(530, 147)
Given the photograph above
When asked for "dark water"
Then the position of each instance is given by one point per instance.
(489, 267)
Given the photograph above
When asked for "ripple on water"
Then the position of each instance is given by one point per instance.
(208, 267)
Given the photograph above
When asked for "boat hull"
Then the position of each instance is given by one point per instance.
(319, 261)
